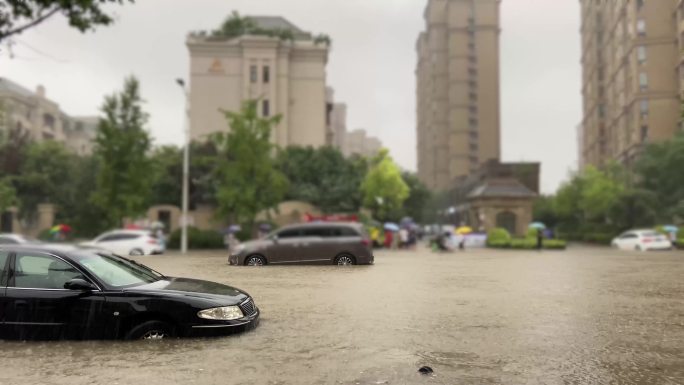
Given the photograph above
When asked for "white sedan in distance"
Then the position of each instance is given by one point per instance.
(127, 242)
(642, 240)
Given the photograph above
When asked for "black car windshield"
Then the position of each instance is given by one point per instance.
(116, 271)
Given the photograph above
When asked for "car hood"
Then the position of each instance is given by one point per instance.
(193, 288)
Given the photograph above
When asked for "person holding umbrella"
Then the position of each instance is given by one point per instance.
(540, 227)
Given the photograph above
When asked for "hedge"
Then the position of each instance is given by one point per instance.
(498, 236)
(198, 239)
(529, 244)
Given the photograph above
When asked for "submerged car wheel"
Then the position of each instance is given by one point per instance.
(136, 252)
(255, 260)
(151, 330)
(345, 260)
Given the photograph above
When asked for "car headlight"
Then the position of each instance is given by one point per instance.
(225, 313)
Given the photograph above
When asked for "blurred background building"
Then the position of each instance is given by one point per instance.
(286, 76)
(336, 120)
(358, 142)
(457, 90)
(41, 118)
(631, 82)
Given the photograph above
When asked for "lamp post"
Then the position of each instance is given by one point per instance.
(186, 168)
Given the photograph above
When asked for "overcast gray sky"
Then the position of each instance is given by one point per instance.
(371, 67)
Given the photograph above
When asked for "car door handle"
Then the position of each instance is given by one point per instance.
(21, 303)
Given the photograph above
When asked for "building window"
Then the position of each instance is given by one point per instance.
(49, 121)
(643, 81)
(641, 54)
(267, 74)
(641, 27)
(644, 133)
(266, 108)
(253, 74)
(639, 4)
(601, 111)
(643, 108)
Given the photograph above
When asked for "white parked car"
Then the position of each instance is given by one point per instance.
(642, 240)
(16, 239)
(127, 242)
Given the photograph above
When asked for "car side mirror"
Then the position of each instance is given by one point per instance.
(79, 284)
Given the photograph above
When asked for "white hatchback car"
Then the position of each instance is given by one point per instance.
(642, 240)
(127, 242)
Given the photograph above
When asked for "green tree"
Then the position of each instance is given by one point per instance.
(235, 25)
(167, 165)
(121, 145)
(599, 194)
(545, 211)
(16, 16)
(384, 190)
(323, 177)
(660, 170)
(417, 203)
(246, 178)
(8, 196)
(46, 176)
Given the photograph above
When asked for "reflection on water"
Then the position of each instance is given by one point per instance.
(581, 317)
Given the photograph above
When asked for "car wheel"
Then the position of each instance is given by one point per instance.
(136, 252)
(345, 260)
(638, 248)
(255, 260)
(151, 330)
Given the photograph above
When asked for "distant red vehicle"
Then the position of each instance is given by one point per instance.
(331, 218)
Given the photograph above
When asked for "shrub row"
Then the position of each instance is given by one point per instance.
(501, 239)
(197, 239)
(529, 244)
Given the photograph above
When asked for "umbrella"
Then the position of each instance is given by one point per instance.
(60, 229)
(671, 229)
(157, 225)
(389, 226)
(464, 230)
(406, 221)
(537, 225)
(232, 229)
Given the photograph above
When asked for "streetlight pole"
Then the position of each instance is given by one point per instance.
(186, 168)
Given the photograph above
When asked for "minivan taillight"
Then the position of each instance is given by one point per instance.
(152, 241)
(365, 242)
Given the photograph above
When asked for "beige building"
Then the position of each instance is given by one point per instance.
(631, 62)
(288, 77)
(336, 121)
(458, 119)
(358, 142)
(40, 117)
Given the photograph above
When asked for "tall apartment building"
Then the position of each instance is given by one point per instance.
(458, 118)
(287, 77)
(631, 54)
(42, 119)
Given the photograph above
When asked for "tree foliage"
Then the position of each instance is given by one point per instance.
(236, 25)
(246, 178)
(323, 177)
(661, 170)
(16, 16)
(384, 190)
(121, 145)
(418, 201)
(167, 171)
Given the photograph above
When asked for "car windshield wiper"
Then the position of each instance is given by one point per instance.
(144, 267)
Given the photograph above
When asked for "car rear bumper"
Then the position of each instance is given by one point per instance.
(224, 328)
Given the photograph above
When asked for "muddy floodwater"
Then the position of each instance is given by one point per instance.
(585, 316)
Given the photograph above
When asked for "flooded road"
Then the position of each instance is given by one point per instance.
(585, 316)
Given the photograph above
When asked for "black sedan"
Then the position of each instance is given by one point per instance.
(72, 293)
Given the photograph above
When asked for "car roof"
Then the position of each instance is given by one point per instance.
(322, 224)
(125, 231)
(11, 235)
(45, 248)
